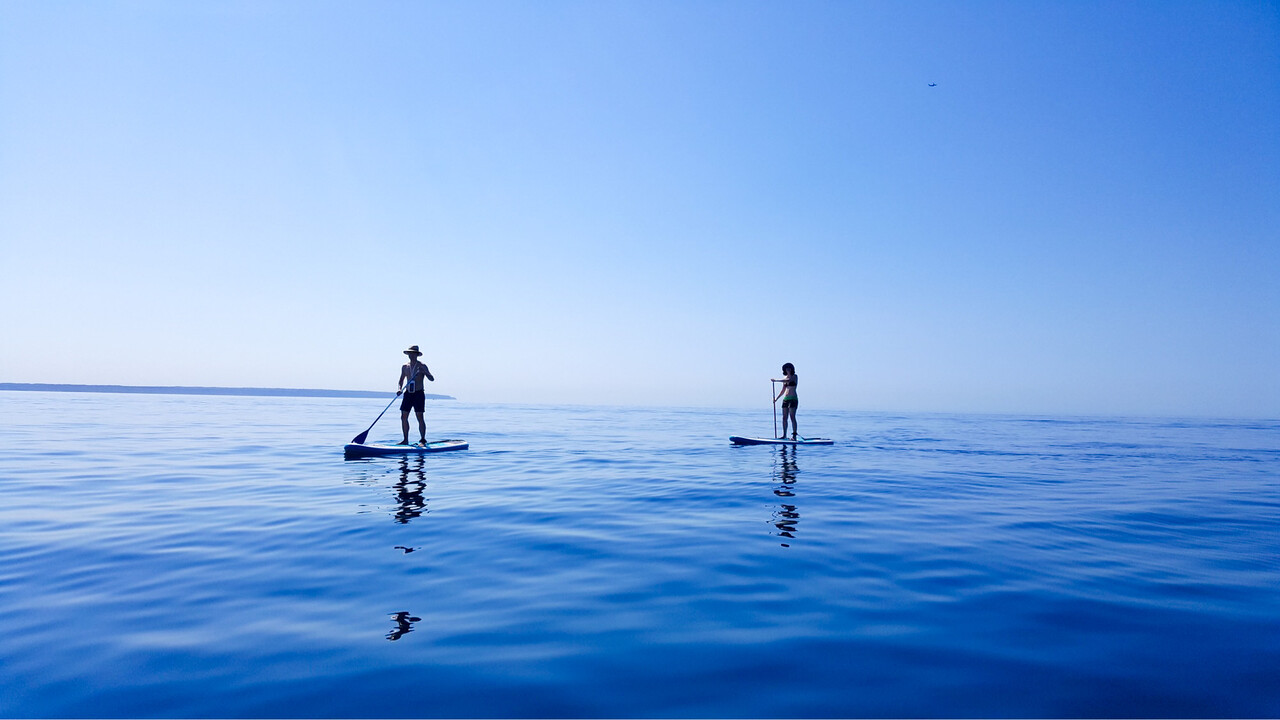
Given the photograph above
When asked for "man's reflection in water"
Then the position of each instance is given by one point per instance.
(409, 486)
(404, 625)
(413, 481)
(785, 517)
(410, 503)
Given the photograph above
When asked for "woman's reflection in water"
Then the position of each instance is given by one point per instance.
(785, 517)
(413, 481)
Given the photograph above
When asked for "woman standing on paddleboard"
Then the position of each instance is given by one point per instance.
(790, 400)
(415, 397)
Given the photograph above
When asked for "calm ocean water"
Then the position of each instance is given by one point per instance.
(217, 557)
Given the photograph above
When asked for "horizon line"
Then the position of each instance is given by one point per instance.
(204, 390)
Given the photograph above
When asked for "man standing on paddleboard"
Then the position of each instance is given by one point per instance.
(415, 397)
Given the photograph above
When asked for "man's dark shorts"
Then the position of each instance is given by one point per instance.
(416, 401)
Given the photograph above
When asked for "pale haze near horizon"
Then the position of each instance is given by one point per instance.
(651, 203)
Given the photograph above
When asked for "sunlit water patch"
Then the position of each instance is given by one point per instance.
(217, 556)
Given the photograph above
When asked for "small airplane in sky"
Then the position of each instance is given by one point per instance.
(933, 84)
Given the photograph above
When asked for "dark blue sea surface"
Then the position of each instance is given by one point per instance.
(212, 556)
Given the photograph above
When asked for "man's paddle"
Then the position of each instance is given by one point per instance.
(359, 439)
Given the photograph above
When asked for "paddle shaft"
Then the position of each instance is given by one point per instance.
(774, 396)
(359, 439)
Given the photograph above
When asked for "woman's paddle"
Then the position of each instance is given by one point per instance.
(359, 439)
(773, 395)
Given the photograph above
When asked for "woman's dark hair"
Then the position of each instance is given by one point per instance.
(788, 368)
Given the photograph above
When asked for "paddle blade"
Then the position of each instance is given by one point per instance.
(359, 439)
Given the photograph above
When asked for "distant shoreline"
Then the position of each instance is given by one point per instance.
(184, 390)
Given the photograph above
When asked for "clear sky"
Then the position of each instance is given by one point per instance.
(650, 202)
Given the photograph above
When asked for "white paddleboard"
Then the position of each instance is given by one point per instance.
(737, 440)
(374, 449)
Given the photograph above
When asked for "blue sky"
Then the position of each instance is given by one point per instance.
(651, 202)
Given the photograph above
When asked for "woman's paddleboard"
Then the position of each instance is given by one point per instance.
(778, 441)
(372, 449)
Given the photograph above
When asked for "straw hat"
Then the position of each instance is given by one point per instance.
(413, 350)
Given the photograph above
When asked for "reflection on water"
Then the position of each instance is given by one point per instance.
(404, 625)
(410, 484)
(409, 498)
(785, 517)
(410, 503)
